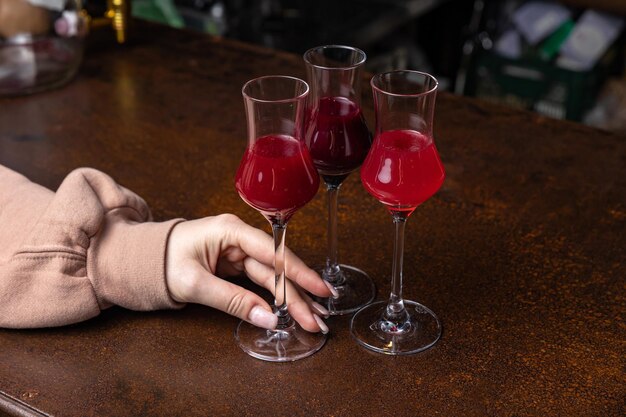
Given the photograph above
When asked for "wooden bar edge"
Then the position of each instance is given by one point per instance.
(13, 407)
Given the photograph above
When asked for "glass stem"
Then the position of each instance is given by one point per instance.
(279, 229)
(332, 272)
(395, 310)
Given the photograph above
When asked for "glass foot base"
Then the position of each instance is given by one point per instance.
(420, 332)
(356, 291)
(286, 345)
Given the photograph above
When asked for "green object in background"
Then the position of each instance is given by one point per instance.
(162, 11)
(540, 85)
(551, 46)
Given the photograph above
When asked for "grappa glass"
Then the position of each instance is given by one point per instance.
(402, 170)
(277, 177)
(338, 139)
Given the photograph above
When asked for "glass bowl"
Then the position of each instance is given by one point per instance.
(41, 44)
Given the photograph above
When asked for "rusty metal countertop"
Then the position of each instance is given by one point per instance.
(521, 254)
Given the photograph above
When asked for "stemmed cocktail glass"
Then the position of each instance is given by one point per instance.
(402, 170)
(338, 139)
(277, 177)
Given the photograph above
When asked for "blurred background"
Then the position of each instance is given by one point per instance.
(563, 59)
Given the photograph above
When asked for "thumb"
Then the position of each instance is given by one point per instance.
(232, 299)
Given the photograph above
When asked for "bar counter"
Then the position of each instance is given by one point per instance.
(521, 254)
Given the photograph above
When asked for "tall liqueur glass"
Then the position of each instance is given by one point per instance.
(277, 177)
(402, 171)
(338, 139)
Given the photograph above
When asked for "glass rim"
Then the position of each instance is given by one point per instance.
(347, 67)
(285, 100)
(389, 93)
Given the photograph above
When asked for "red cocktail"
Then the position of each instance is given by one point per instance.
(277, 176)
(339, 138)
(403, 169)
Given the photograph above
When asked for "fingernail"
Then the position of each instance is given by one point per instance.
(332, 289)
(320, 309)
(320, 322)
(263, 318)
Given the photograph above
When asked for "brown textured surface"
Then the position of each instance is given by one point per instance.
(521, 254)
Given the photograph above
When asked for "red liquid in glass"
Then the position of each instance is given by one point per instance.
(403, 169)
(337, 137)
(276, 175)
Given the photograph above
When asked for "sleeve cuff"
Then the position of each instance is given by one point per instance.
(126, 263)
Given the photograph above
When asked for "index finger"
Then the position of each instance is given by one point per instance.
(260, 246)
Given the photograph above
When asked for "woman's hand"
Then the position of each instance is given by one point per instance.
(201, 251)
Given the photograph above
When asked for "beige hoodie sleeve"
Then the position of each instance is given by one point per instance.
(67, 255)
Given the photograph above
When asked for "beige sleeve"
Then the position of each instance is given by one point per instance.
(67, 255)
